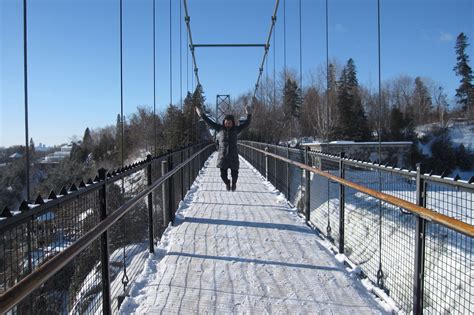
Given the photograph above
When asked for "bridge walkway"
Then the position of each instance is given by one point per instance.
(245, 252)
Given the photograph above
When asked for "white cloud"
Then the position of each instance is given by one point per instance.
(445, 36)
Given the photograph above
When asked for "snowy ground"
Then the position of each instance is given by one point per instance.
(244, 252)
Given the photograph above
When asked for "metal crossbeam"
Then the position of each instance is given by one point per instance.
(192, 46)
(229, 45)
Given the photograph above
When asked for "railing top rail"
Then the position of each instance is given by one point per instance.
(466, 184)
(428, 214)
(39, 276)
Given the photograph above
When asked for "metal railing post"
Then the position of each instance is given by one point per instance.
(182, 175)
(275, 170)
(104, 246)
(342, 199)
(420, 235)
(189, 167)
(165, 188)
(150, 206)
(288, 173)
(266, 163)
(171, 188)
(307, 175)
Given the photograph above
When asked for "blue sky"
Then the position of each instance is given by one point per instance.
(73, 53)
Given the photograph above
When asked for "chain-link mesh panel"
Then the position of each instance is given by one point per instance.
(453, 201)
(29, 243)
(129, 236)
(75, 289)
(398, 254)
(324, 198)
(448, 281)
(380, 237)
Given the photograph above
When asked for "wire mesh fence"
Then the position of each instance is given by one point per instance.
(39, 232)
(396, 249)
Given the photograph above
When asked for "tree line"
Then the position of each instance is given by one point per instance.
(334, 106)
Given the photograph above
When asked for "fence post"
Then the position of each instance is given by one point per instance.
(171, 188)
(342, 198)
(182, 175)
(275, 169)
(150, 206)
(104, 245)
(307, 175)
(288, 173)
(165, 188)
(266, 163)
(189, 167)
(420, 234)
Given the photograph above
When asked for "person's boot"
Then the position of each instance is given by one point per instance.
(234, 186)
(227, 185)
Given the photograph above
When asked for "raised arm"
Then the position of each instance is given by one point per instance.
(247, 121)
(212, 124)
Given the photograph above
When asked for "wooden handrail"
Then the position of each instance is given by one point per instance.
(428, 214)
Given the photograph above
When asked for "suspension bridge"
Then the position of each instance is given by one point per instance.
(305, 232)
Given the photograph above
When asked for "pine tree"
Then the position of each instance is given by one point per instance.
(422, 102)
(87, 139)
(32, 145)
(118, 137)
(173, 122)
(401, 126)
(189, 114)
(465, 91)
(352, 121)
(198, 96)
(292, 101)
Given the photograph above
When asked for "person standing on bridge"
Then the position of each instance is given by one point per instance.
(227, 133)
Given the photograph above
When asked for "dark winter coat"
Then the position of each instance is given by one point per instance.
(227, 141)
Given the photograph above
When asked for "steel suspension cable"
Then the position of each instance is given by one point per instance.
(301, 51)
(125, 277)
(191, 45)
(171, 58)
(25, 82)
(274, 68)
(267, 47)
(327, 72)
(154, 81)
(121, 89)
(380, 82)
(181, 55)
(187, 63)
(328, 227)
(380, 274)
(284, 38)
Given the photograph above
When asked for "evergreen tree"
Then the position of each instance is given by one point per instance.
(32, 146)
(87, 138)
(292, 101)
(401, 126)
(173, 127)
(422, 103)
(190, 119)
(118, 137)
(198, 96)
(465, 91)
(352, 121)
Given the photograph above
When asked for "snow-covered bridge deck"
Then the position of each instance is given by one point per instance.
(244, 252)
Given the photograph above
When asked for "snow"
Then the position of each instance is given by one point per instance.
(85, 214)
(459, 133)
(245, 252)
